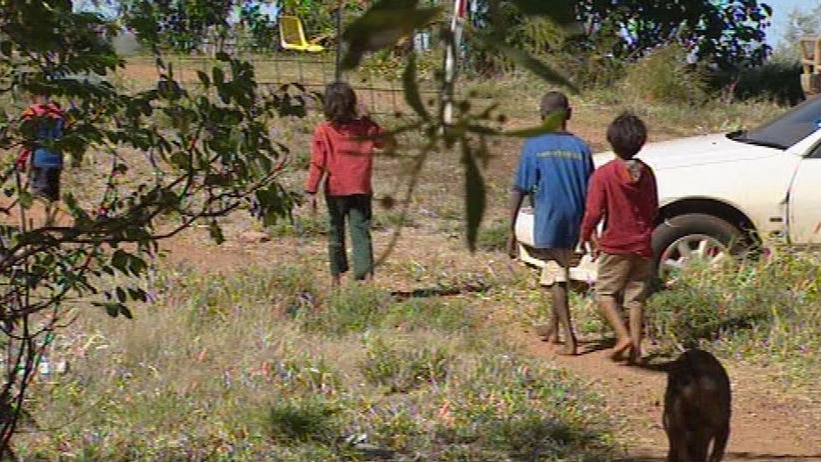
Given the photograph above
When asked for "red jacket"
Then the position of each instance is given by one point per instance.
(344, 154)
(624, 194)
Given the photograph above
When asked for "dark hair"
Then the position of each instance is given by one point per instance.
(626, 135)
(554, 101)
(340, 103)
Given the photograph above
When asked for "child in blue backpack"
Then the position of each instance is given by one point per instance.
(42, 127)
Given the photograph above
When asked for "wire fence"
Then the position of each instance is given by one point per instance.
(311, 71)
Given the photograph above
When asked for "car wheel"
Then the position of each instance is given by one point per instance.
(694, 238)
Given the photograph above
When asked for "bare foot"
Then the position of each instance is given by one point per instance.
(569, 349)
(547, 334)
(636, 358)
(621, 347)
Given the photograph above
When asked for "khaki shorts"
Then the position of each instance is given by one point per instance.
(628, 272)
(557, 264)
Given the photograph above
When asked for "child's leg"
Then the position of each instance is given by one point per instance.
(336, 237)
(555, 275)
(635, 293)
(612, 275)
(550, 331)
(360, 214)
(561, 310)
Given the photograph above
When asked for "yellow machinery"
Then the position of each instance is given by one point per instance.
(292, 36)
(811, 62)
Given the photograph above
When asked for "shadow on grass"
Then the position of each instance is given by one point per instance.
(440, 291)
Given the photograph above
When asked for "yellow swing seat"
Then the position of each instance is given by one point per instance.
(292, 36)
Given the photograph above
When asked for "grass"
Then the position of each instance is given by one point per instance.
(344, 377)
(765, 313)
(260, 362)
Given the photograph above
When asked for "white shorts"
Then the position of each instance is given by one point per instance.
(557, 264)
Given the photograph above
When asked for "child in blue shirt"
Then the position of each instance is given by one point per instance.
(553, 170)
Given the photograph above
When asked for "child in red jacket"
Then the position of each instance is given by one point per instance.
(342, 157)
(623, 193)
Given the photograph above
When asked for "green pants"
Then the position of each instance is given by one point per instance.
(357, 210)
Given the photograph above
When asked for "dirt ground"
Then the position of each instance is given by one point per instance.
(767, 425)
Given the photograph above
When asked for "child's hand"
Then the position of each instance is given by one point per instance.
(312, 202)
(590, 246)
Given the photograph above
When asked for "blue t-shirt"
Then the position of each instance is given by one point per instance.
(554, 169)
(49, 128)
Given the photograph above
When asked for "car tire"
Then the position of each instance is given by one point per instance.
(695, 235)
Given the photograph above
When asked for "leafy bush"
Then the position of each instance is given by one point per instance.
(664, 76)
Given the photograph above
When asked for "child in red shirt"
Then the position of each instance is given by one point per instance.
(342, 157)
(623, 193)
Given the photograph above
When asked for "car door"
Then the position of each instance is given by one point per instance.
(805, 200)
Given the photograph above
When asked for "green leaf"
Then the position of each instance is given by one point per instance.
(550, 124)
(206, 82)
(382, 26)
(180, 160)
(215, 231)
(6, 47)
(411, 88)
(121, 296)
(126, 312)
(111, 308)
(26, 199)
(474, 195)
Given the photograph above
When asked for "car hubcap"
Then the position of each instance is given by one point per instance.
(691, 250)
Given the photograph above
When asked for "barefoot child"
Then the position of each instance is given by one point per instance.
(623, 194)
(554, 169)
(342, 158)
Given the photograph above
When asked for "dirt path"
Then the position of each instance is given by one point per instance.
(765, 425)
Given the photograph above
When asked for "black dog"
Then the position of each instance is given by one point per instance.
(697, 408)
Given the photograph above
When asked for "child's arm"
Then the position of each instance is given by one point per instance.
(516, 197)
(319, 160)
(594, 210)
(381, 140)
(318, 166)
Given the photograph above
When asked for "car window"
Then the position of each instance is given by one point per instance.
(787, 129)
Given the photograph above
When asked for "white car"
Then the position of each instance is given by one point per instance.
(721, 194)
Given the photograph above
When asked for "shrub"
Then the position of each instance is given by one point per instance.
(767, 302)
(777, 81)
(664, 76)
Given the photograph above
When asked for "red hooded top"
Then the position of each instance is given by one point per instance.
(345, 154)
(624, 194)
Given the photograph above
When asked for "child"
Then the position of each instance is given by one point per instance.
(342, 157)
(554, 169)
(623, 193)
(42, 125)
